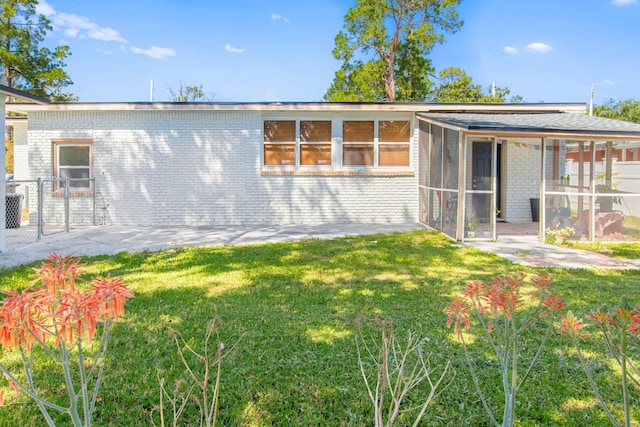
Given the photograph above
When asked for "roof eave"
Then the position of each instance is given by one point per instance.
(14, 93)
(297, 106)
(555, 133)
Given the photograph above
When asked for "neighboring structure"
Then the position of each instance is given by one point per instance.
(450, 166)
(9, 93)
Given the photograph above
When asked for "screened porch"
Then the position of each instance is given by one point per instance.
(556, 170)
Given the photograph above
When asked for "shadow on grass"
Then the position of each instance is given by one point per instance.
(297, 303)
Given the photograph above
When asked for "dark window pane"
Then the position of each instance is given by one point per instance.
(315, 154)
(357, 131)
(394, 131)
(75, 155)
(394, 155)
(279, 154)
(280, 131)
(357, 155)
(315, 131)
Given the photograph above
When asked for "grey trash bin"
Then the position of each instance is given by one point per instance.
(14, 210)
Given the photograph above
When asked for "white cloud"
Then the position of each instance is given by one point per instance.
(155, 52)
(621, 3)
(82, 27)
(539, 47)
(75, 26)
(276, 17)
(510, 50)
(232, 49)
(43, 8)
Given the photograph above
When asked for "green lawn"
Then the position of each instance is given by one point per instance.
(297, 306)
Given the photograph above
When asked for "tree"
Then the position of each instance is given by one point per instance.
(456, 86)
(628, 110)
(189, 94)
(384, 46)
(25, 64)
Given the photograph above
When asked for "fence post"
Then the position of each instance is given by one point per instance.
(95, 222)
(40, 206)
(66, 204)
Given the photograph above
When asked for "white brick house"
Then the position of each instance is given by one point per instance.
(293, 163)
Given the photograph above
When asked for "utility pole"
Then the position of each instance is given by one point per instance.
(591, 100)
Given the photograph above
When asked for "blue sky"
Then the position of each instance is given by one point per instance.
(280, 50)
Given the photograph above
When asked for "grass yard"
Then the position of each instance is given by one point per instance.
(296, 306)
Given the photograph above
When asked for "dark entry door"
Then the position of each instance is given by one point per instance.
(481, 172)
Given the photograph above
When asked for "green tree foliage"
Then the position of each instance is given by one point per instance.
(384, 46)
(24, 63)
(627, 110)
(188, 94)
(456, 86)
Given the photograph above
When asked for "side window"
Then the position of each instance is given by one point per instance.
(394, 143)
(74, 160)
(280, 142)
(315, 143)
(357, 143)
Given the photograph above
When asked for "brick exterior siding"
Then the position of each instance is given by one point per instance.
(205, 168)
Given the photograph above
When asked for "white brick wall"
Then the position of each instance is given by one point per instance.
(20, 149)
(522, 178)
(203, 167)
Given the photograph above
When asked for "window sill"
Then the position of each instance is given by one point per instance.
(339, 173)
(83, 193)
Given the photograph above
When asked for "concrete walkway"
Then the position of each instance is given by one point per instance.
(527, 250)
(110, 240)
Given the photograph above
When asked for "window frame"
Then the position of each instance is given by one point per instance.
(337, 164)
(73, 191)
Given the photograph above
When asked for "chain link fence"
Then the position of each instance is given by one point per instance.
(36, 208)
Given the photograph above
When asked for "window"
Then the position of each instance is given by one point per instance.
(74, 160)
(394, 138)
(357, 143)
(305, 146)
(315, 143)
(280, 142)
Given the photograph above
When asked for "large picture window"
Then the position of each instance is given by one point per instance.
(333, 144)
(74, 160)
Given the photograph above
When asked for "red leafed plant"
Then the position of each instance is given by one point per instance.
(504, 312)
(62, 319)
(620, 330)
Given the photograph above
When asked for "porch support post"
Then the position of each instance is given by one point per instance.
(609, 164)
(462, 182)
(494, 187)
(592, 190)
(3, 199)
(542, 217)
(580, 182)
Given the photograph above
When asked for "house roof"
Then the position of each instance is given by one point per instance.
(536, 124)
(14, 93)
(297, 106)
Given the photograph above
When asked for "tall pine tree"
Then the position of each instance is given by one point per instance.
(384, 46)
(24, 63)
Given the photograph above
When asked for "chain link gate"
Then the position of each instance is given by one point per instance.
(36, 208)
